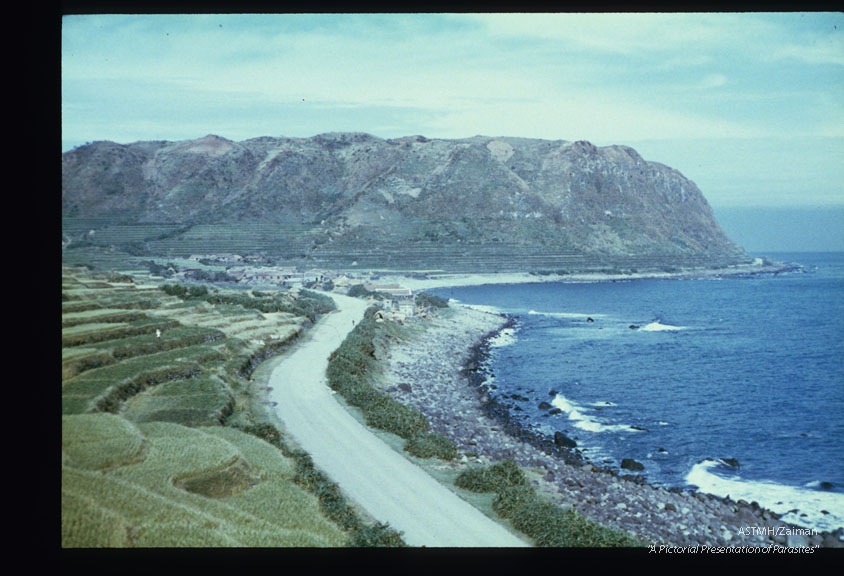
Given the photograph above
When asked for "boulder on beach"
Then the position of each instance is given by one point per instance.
(630, 464)
(561, 439)
(544, 406)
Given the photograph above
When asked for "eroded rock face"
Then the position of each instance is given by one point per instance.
(523, 196)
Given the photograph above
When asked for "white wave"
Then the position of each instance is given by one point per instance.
(659, 327)
(584, 421)
(503, 338)
(780, 498)
(816, 484)
(565, 314)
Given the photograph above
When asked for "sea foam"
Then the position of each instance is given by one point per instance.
(780, 498)
(504, 338)
(581, 419)
(659, 327)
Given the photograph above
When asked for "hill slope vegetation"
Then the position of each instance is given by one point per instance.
(339, 198)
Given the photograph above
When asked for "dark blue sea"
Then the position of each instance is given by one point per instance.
(750, 369)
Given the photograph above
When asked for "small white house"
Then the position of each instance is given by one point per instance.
(401, 298)
(407, 307)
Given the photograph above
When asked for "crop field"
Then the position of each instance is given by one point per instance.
(155, 448)
(165, 484)
(291, 239)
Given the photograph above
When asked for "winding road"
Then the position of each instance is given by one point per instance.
(383, 482)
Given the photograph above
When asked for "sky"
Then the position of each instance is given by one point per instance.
(750, 106)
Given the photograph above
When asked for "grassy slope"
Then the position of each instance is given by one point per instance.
(153, 447)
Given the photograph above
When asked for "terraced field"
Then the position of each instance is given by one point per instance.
(158, 434)
(307, 246)
(165, 484)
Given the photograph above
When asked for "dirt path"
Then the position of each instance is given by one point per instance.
(390, 487)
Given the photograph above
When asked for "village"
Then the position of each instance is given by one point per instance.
(397, 302)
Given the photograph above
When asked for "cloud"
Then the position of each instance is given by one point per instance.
(607, 78)
(712, 81)
(621, 33)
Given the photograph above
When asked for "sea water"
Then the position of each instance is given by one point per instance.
(731, 386)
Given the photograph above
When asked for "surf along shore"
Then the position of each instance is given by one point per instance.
(440, 374)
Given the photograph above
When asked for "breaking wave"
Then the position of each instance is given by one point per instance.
(659, 327)
(581, 419)
(799, 505)
(504, 338)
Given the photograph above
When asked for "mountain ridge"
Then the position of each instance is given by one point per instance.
(352, 190)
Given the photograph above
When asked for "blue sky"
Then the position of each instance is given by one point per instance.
(749, 106)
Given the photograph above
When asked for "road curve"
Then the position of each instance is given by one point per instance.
(386, 484)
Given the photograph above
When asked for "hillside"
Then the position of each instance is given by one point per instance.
(481, 203)
(167, 438)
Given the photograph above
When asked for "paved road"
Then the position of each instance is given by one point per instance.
(390, 487)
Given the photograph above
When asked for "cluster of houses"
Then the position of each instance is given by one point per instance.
(223, 258)
(400, 300)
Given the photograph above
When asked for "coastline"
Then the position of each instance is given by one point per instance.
(435, 279)
(439, 376)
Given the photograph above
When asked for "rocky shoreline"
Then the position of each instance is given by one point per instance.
(439, 376)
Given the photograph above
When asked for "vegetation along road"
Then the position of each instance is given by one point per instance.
(386, 484)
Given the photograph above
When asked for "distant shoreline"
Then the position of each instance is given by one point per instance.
(432, 280)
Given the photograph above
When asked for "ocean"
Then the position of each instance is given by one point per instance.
(731, 386)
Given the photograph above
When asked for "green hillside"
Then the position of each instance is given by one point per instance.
(165, 439)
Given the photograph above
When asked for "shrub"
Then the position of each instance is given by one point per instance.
(393, 416)
(359, 291)
(510, 500)
(547, 524)
(493, 478)
(331, 500)
(424, 299)
(348, 373)
(551, 526)
(432, 446)
(377, 536)
(266, 432)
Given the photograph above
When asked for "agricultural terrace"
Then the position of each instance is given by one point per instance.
(164, 443)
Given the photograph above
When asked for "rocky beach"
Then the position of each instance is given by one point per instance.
(436, 373)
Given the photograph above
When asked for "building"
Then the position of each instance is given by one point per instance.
(401, 298)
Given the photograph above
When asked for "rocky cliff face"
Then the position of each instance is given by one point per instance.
(353, 190)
